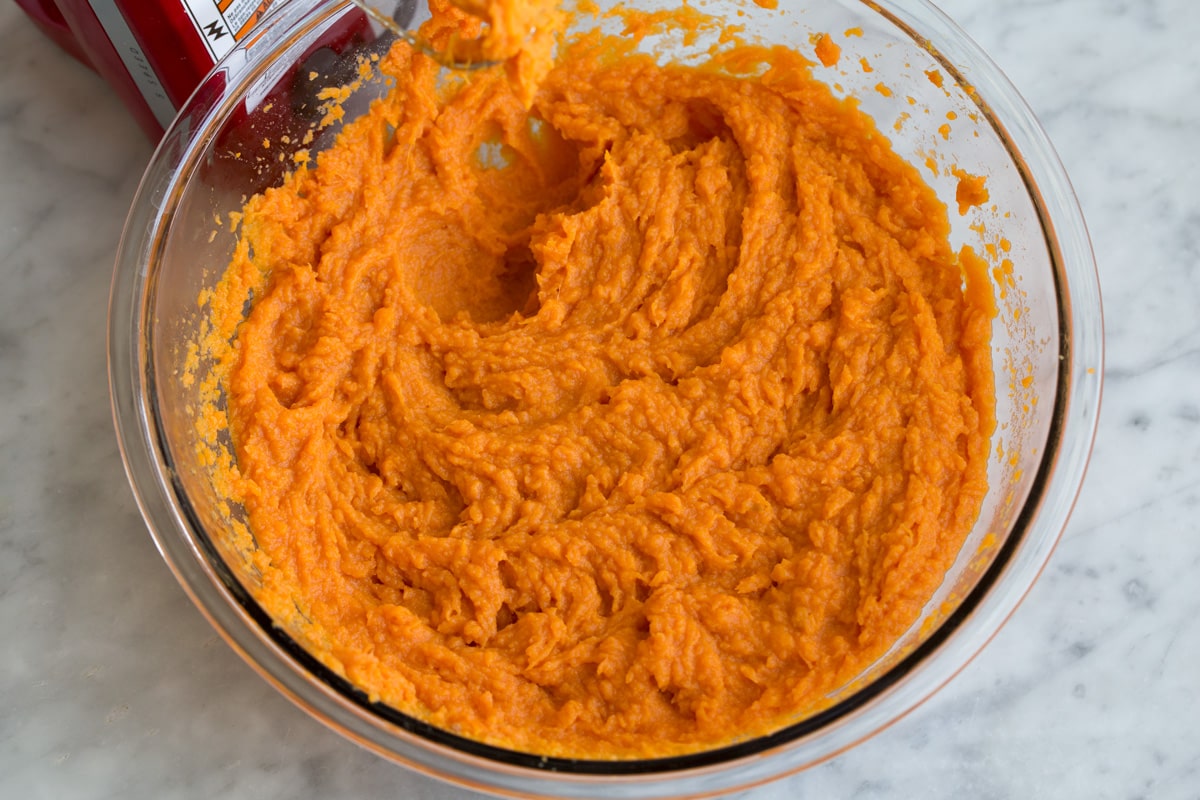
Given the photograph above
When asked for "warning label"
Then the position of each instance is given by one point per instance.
(221, 23)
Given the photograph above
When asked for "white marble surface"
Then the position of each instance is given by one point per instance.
(112, 685)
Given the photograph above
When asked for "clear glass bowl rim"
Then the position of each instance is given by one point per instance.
(248, 630)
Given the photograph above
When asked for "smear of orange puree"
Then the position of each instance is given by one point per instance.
(971, 190)
(827, 50)
(623, 424)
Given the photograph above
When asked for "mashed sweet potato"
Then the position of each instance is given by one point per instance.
(628, 425)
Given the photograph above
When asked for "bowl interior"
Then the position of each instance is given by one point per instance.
(242, 130)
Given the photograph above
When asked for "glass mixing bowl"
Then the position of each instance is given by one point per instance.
(915, 73)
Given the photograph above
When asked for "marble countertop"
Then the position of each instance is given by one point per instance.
(112, 684)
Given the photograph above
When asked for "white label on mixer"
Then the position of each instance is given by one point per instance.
(221, 23)
(134, 59)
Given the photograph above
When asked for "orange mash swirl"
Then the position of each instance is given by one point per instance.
(625, 426)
